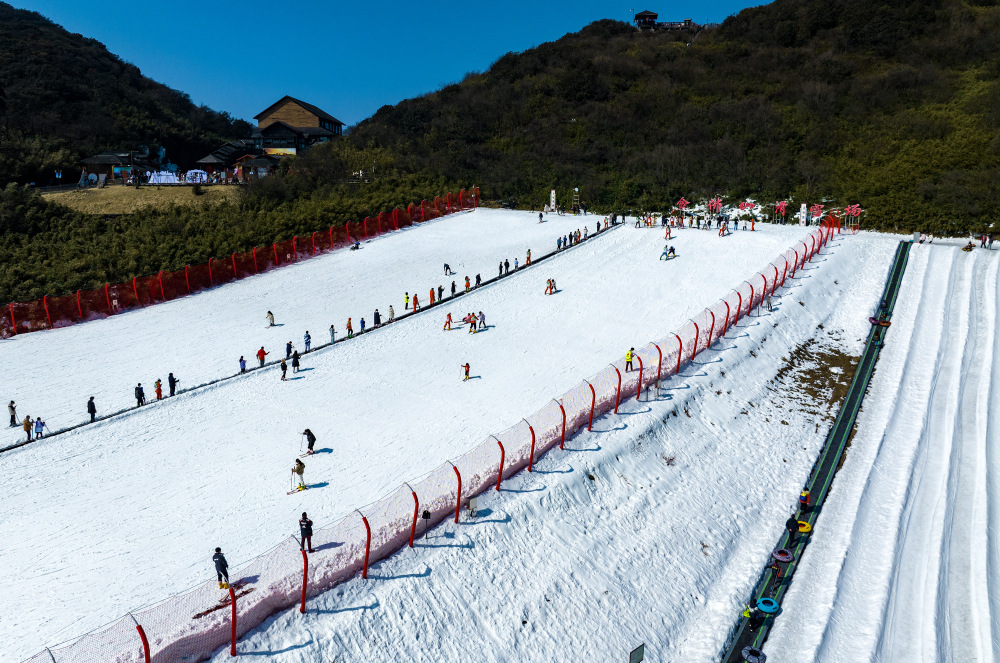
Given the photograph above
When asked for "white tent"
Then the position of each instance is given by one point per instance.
(162, 177)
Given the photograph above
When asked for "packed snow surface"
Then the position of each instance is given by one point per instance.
(123, 513)
(905, 562)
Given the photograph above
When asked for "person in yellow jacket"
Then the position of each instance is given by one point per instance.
(628, 359)
(27, 426)
(298, 470)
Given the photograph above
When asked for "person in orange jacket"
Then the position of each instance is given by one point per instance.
(416, 304)
(432, 296)
(158, 388)
(350, 329)
(447, 323)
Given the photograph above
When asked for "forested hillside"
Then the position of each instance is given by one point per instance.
(64, 97)
(892, 105)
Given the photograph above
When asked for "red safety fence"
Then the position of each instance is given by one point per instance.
(51, 312)
(193, 625)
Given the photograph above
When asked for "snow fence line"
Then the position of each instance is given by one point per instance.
(193, 625)
(275, 362)
(65, 310)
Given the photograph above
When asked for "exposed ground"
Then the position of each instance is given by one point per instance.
(125, 200)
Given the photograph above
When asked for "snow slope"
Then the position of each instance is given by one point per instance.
(906, 560)
(651, 529)
(133, 506)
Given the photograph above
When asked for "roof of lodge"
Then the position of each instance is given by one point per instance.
(318, 112)
(308, 131)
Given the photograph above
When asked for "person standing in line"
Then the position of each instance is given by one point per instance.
(27, 426)
(284, 369)
(440, 292)
(628, 360)
(466, 367)
(558, 243)
(792, 526)
(432, 296)
(310, 439)
(506, 266)
(270, 319)
(350, 329)
(295, 362)
(261, 354)
(92, 409)
(377, 318)
(140, 395)
(307, 339)
(221, 568)
(416, 304)
(392, 313)
(500, 273)
(243, 364)
(39, 428)
(12, 411)
(362, 326)
(306, 530)
(333, 335)
(158, 389)
(447, 323)
(172, 383)
(468, 284)
(452, 288)
(406, 301)
(528, 261)
(288, 349)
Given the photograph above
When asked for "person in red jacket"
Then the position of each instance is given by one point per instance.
(261, 354)
(447, 323)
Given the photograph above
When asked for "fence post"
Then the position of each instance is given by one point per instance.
(796, 265)
(255, 270)
(305, 578)
(79, 309)
(368, 544)
(618, 392)
(295, 248)
(416, 510)
(638, 387)
(187, 281)
(275, 254)
(774, 284)
(697, 339)
(783, 274)
(593, 401)
(562, 441)
(13, 322)
(236, 274)
(314, 243)
(750, 305)
(232, 645)
(725, 325)
(458, 499)
(531, 458)
(134, 290)
(680, 351)
(659, 364)
(211, 281)
(142, 636)
(45, 303)
(159, 277)
(107, 296)
(711, 330)
(502, 454)
(764, 291)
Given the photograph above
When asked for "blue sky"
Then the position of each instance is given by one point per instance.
(347, 58)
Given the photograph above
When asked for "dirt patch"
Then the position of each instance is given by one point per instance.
(814, 378)
(126, 200)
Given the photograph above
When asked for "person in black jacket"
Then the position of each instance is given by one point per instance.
(221, 568)
(140, 395)
(172, 383)
(792, 526)
(310, 438)
(92, 409)
(378, 318)
(306, 529)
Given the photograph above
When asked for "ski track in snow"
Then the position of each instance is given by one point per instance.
(903, 565)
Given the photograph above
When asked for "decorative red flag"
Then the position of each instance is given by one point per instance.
(682, 203)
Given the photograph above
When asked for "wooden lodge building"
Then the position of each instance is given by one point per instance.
(646, 20)
(289, 126)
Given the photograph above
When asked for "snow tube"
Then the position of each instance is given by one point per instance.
(753, 655)
(782, 555)
(880, 323)
(805, 527)
(770, 606)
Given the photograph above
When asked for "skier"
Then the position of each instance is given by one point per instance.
(466, 367)
(39, 427)
(468, 284)
(91, 409)
(310, 438)
(261, 354)
(406, 301)
(482, 320)
(392, 313)
(307, 339)
(172, 383)
(447, 270)
(288, 350)
(270, 319)
(665, 255)
(539, 217)
(284, 369)
(377, 318)
(306, 530)
(350, 329)
(27, 426)
(670, 253)
(548, 286)
(333, 335)
(473, 321)
(553, 286)
(478, 280)
(447, 323)
(295, 362)
(298, 470)
(12, 411)
(140, 395)
(221, 568)
(158, 389)
(416, 304)
(628, 359)
(243, 364)
(362, 326)
(440, 292)
(506, 267)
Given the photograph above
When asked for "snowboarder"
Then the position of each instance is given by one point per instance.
(447, 323)
(158, 389)
(307, 339)
(310, 439)
(270, 319)
(39, 427)
(466, 367)
(500, 273)
(628, 359)
(284, 369)
(306, 530)
(243, 364)
(140, 395)
(392, 313)
(553, 286)
(92, 409)
(221, 568)
(406, 301)
(12, 411)
(298, 470)
(261, 354)
(172, 383)
(333, 335)
(27, 426)
(377, 318)
(506, 267)
(447, 270)
(666, 253)
(586, 233)
(288, 349)
(295, 362)
(769, 303)
(350, 329)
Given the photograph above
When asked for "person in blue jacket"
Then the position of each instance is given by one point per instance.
(308, 340)
(243, 365)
